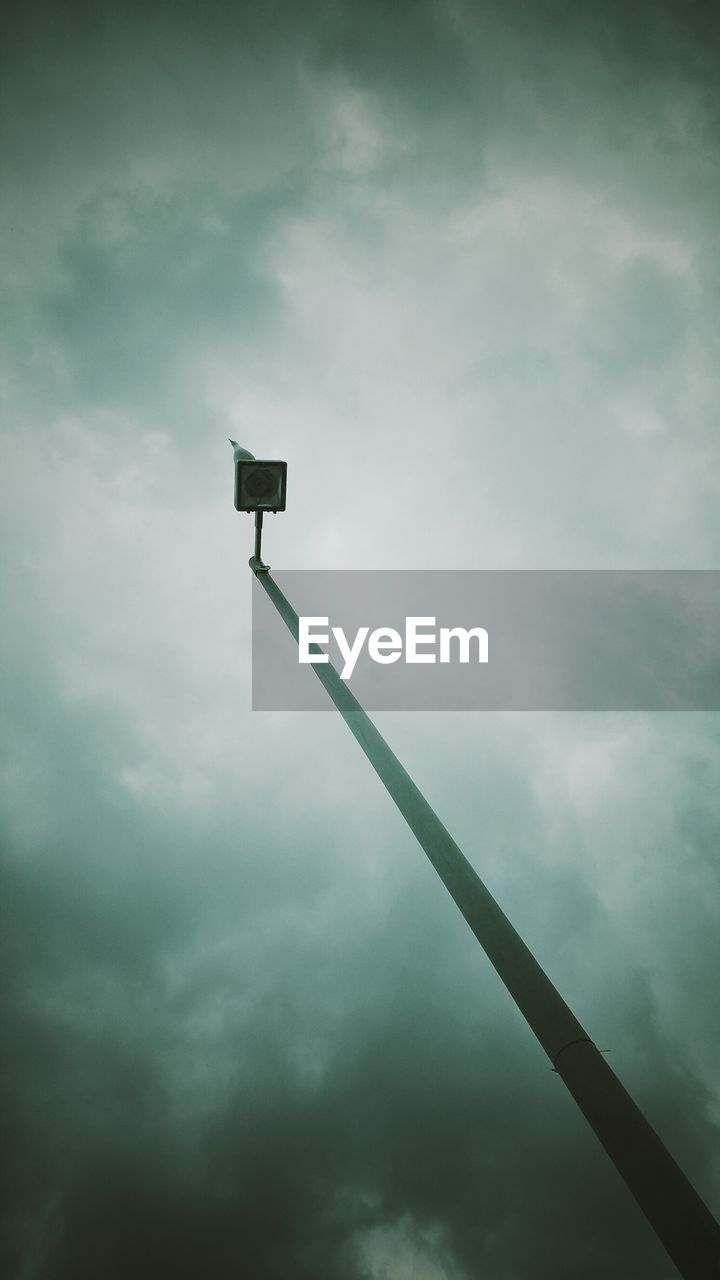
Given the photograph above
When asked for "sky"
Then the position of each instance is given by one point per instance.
(458, 264)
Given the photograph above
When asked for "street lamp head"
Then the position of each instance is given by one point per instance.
(260, 484)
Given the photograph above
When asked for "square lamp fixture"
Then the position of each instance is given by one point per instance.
(260, 485)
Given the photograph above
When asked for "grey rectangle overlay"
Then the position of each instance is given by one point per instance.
(557, 640)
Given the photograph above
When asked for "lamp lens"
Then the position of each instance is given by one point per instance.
(261, 483)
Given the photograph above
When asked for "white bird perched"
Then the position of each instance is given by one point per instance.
(240, 454)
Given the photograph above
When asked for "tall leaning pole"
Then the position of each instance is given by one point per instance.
(675, 1211)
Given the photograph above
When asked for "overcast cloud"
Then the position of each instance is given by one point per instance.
(458, 264)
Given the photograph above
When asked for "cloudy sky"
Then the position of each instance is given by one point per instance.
(457, 262)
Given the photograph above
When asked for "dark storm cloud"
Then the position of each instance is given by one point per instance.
(430, 1106)
(133, 311)
(236, 1062)
(88, 78)
(172, 142)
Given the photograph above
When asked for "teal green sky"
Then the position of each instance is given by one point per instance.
(458, 264)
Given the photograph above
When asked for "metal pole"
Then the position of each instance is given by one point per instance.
(258, 537)
(679, 1217)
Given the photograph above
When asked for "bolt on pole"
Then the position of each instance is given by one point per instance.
(680, 1219)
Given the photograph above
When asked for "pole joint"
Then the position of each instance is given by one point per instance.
(570, 1043)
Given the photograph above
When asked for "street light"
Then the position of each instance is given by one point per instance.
(260, 486)
(680, 1219)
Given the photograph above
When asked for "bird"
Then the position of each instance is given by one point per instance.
(240, 454)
